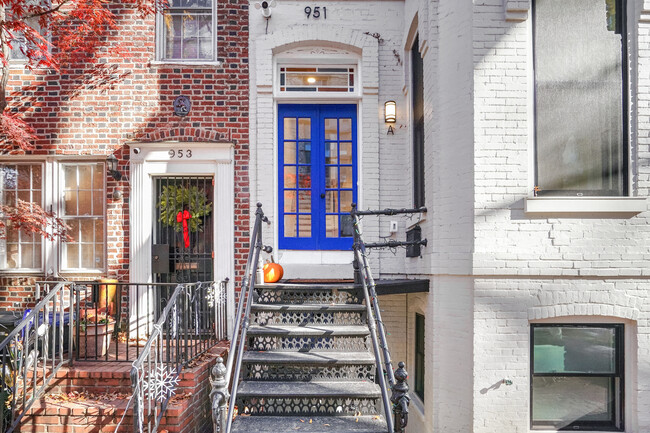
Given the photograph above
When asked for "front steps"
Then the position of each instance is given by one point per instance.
(91, 397)
(308, 364)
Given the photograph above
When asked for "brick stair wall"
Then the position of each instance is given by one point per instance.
(191, 414)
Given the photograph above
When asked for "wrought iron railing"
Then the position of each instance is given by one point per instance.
(116, 319)
(184, 330)
(396, 380)
(32, 354)
(226, 378)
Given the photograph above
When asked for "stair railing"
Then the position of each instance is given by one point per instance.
(224, 378)
(32, 354)
(183, 332)
(396, 380)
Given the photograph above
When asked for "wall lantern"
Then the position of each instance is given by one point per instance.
(111, 165)
(390, 112)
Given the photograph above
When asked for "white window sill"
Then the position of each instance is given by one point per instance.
(27, 272)
(583, 206)
(581, 431)
(209, 63)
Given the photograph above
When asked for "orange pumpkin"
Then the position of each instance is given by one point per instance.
(272, 272)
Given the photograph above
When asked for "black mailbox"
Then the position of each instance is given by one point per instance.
(160, 259)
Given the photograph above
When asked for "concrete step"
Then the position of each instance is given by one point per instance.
(324, 389)
(320, 424)
(308, 330)
(315, 358)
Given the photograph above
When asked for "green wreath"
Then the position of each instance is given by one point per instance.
(175, 199)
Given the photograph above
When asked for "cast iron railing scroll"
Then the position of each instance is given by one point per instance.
(32, 354)
(224, 379)
(399, 388)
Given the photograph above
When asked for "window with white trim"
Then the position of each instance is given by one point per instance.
(21, 48)
(581, 105)
(20, 250)
(577, 377)
(83, 211)
(79, 201)
(187, 31)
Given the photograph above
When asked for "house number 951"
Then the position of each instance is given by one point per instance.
(180, 153)
(315, 13)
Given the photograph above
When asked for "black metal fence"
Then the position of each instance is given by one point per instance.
(115, 320)
(161, 325)
(178, 337)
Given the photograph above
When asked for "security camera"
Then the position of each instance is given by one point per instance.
(266, 7)
(136, 150)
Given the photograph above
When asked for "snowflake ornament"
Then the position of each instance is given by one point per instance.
(161, 383)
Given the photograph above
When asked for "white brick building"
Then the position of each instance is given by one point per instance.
(502, 88)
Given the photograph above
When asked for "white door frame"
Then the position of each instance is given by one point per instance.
(196, 159)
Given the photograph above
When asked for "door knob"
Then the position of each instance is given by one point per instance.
(322, 195)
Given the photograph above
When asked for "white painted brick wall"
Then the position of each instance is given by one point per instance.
(492, 268)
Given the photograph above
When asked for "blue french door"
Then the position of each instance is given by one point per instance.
(317, 175)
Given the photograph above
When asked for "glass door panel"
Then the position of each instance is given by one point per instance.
(318, 175)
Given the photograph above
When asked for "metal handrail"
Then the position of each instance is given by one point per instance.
(376, 325)
(138, 364)
(242, 317)
(28, 346)
(168, 350)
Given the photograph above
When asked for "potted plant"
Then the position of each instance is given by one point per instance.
(95, 334)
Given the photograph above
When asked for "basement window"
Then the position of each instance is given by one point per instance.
(577, 377)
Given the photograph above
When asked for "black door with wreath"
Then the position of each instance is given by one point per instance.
(183, 237)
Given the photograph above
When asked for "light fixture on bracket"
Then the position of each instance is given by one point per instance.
(266, 7)
(111, 167)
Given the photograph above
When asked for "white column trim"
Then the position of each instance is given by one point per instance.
(209, 159)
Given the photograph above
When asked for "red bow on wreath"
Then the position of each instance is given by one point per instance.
(183, 216)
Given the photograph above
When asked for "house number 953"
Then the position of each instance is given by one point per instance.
(180, 153)
(316, 12)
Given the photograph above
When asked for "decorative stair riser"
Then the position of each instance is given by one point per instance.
(308, 364)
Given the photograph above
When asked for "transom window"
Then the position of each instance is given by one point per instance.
(580, 97)
(577, 377)
(187, 31)
(317, 79)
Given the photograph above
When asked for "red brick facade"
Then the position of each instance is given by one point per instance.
(97, 119)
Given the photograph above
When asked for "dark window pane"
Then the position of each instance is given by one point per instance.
(417, 87)
(579, 85)
(419, 356)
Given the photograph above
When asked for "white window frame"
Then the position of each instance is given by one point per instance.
(571, 206)
(317, 57)
(3, 242)
(160, 42)
(23, 60)
(60, 180)
(52, 198)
